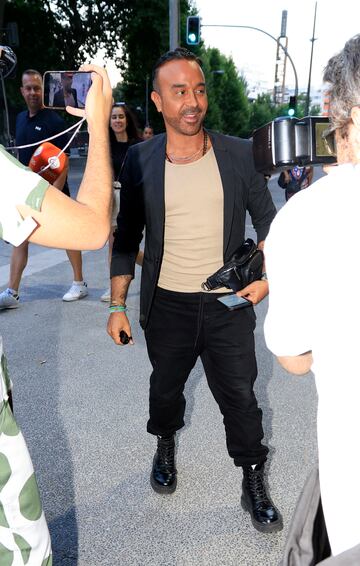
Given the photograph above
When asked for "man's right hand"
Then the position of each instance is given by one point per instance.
(117, 322)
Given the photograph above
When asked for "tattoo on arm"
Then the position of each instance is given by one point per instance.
(119, 288)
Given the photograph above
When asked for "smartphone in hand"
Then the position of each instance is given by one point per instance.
(233, 302)
(65, 88)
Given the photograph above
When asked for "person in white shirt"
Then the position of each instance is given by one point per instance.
(314, 305)
(31, 208)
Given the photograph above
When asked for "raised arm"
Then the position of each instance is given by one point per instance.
(84, 223)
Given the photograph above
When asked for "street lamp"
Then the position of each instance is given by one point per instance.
(269, 35)
(310, 67)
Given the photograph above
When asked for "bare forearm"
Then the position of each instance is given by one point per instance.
(119, 288)
(84, 223)
(96, 187)
(299, 365)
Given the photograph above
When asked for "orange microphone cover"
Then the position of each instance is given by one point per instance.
(47, 154)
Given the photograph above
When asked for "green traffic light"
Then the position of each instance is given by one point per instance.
(292, 106)
(193, 30)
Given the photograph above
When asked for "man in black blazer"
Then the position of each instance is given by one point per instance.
(190, 188)
(66, 96)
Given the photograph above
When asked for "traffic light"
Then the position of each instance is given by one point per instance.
(193, 30)
(292, 106)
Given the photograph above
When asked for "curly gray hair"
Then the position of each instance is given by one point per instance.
(343, 75)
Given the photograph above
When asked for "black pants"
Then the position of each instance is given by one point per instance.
(183, 326)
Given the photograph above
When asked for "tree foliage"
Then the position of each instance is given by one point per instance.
(65, 31)
(61, 34)
(144, 32)
(263, 110)
(227, 94)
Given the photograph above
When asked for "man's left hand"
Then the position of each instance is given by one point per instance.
(255, 292)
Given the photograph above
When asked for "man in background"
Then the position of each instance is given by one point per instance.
(295, 180)
(33, 125)
(66, 96)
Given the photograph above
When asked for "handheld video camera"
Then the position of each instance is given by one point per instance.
(7, 60)
(7, 67)
(286, 142)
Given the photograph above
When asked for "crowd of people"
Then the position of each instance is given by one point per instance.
(135, 187)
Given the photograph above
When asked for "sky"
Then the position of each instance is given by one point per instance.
(254, 53)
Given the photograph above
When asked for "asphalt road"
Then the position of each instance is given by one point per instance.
(82, 406)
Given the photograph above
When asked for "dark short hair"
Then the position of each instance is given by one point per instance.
(177, 54)
(30, 72)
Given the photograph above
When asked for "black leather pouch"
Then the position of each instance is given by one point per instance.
(244, 267)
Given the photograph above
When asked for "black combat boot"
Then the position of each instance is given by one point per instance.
(163, 474)
(264, 515)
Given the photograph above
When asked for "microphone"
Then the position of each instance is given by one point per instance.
(47, 162)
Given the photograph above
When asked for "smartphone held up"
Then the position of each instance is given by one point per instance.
(66, 88)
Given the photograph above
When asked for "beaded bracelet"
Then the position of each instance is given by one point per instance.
(117, 308)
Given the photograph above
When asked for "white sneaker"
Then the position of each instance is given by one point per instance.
(106, 297)
(9, 299)
(77, 291)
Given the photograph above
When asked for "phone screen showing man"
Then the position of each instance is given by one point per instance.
(66, 88)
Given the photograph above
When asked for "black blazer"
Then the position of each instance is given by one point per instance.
(59, 99)
(142, 205)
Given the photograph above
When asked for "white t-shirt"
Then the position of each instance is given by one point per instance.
(313, 265)
(19, 185)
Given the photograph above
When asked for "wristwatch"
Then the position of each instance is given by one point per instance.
(264, 277)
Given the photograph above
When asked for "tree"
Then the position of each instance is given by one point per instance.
(61, 34)
(282, 110)
(69, 31)
(144, 32)
(118, 93)
(234, 102)
(262, 111)
(2, 6)
(229, 108)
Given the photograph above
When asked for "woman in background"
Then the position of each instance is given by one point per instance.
(123, 133)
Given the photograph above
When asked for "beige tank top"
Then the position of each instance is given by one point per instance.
(194, 218)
